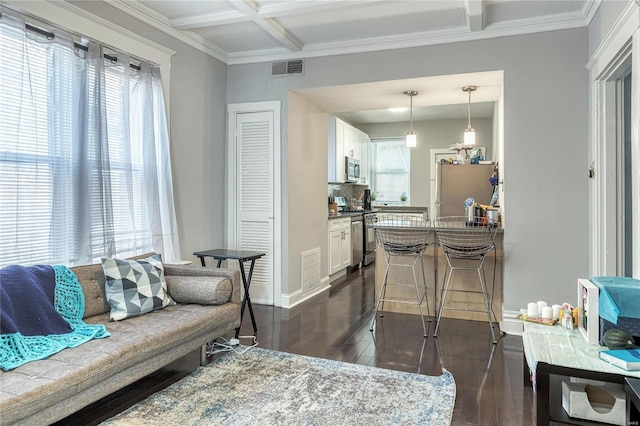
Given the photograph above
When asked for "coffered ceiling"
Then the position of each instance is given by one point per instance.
(247, 31)
(243, 31)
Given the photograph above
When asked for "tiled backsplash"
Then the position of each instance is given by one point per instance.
(353, 193)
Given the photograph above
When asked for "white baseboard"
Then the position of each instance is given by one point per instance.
(340, 274)
(510, 324)
(291, 300)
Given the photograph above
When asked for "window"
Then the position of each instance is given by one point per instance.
(391, 171)
(84, 159)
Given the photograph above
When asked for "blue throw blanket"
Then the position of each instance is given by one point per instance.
(41, 310)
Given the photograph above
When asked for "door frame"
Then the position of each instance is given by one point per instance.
(233, 110)
(619, 48)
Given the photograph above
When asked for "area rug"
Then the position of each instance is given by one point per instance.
(266, 387)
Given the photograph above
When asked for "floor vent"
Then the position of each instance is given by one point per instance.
(310, 269)
(281, 68)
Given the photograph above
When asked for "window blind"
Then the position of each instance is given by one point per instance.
(80, 142)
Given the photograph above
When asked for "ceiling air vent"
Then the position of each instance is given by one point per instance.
(281, 68)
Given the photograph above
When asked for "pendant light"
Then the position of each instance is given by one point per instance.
(411, 135)
(469, 133)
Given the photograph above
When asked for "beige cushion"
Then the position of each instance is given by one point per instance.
(200, 290)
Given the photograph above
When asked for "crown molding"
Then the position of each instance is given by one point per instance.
(590, 10)
(150, 17)
(405, 41)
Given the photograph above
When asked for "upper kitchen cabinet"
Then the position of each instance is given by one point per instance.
(346, 141)
(336, 150)
(364, 158)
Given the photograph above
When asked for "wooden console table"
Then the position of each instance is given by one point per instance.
(552, 352)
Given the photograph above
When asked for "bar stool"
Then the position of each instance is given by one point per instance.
(402, 237)
(462, 238)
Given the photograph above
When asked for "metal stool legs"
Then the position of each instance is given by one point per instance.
(379, 307)
(483, 289)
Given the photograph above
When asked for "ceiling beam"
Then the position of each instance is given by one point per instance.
(268, 10)
(474, 9)
(209, 20)
(251, 10)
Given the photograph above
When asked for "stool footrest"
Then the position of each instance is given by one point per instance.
(400, 285)
(467, 291)
(408, 302)
(464, 309)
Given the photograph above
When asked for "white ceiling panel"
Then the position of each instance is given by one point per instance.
(439, 97)
(502, 10)
(440, 112)
(187, 8)
(337, 26)
(242, 36)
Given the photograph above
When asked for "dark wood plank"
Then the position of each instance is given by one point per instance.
(335, 326)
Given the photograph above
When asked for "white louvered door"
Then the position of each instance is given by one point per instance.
(255, 198)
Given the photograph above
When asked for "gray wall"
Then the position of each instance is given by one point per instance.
(198, 131)
(307, 156)
(432, 134)
(545, 144)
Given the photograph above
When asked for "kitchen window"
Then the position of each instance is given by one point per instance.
(391, 170)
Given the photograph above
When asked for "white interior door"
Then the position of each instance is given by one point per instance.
(252, 196)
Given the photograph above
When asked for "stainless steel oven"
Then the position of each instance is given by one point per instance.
(369, 240)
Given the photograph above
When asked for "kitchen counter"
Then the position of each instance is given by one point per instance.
(350, 214)
(401, 209)
(435, 264)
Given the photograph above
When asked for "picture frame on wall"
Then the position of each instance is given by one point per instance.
(588, 314)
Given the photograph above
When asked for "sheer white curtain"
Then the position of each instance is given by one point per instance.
(84, 154)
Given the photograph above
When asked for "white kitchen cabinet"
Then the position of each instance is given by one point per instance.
(336, 150)
(345, 141)
(365, 171)
(339, 244)
(354, 137)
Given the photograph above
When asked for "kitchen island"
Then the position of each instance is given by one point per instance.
(435, 265)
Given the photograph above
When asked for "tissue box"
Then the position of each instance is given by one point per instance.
(604, 403)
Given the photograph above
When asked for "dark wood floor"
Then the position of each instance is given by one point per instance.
(489, 378)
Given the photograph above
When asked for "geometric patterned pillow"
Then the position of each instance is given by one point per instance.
(135, 287)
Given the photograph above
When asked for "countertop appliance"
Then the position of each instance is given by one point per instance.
(342, 204)
(357, 228)
(352, 169)
(457, 182)
(366, 203)
(369, 239)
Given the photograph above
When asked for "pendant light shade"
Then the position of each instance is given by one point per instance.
(469, 133)
(412, 140)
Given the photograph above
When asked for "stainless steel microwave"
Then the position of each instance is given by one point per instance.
(352, 169)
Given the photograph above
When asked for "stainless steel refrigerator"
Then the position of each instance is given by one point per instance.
(457, 182)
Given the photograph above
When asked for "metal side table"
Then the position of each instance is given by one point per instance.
(241, 256)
